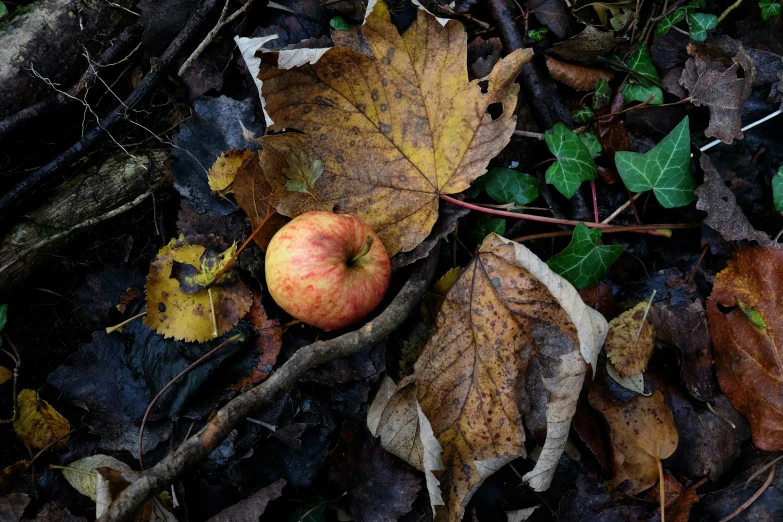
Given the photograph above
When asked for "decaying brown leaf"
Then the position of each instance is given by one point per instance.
(721, 89)
(268, 341)
(221, 175)
(576, 76)
(392, 132)
(188, 316)
(630, 340)
(585, 46)
(39, 424)
(512, 342)
(723, 213)
(251, 508)
(747, 333)
(642, 432)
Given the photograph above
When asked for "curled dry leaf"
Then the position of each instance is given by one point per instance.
(747, 334)
(642, 431)
(576, 76)
(39, 424)
(174, 313)
(221, 175)
(630, 340)
(512, 342)
(392, 132)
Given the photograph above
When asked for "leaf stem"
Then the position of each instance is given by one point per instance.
(661, 487)
(655, 230)
(363, 252)
(728, 10)
(595, 200)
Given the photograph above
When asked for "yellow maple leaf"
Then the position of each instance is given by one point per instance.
(392, 131)
(188, 316)
(221, 176)
(39, 424)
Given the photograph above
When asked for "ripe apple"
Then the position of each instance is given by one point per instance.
(327, 270)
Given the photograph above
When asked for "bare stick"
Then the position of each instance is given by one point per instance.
(745, 505)
(621, 209)
(527, 134)
(661, 488)
(229, 416)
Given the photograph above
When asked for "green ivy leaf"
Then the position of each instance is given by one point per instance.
(641, 64)
(602, 94)
(537, 35)
(3, 315)
(477, 187)
(485, 225)
(583, 115)
(666, 23)
(777, 190)
(769, 9)
(700, 24)
(695, 4)
(338, 23)
(640, 93)
(591, 141)
(510, 186)
(664, 169)
(583, 262)
(4, 10)
(574, 163)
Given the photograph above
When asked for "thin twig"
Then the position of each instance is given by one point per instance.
(595, 200)
(696, 266)
(231, 340)
(197, 447)
(622, 208)
(745, 505)
(17, 365)
(728, 10)
(743, 129)
(527, 134)
(663, 231)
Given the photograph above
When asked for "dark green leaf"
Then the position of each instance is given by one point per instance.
(695, 4)
(509, 186)
(665, 169)
(311, 511)
(640, 93)
(477, 187)
(591, 141)
(666, 23)
(701, 23)
(641, 64)
(574, 163)
(3, 315)
(583, 262)
(582, 115)
(3, 10)
(485, 225)
(602, 94)
(339, 24)
(537, 35)
(769, 9)
(777, 189)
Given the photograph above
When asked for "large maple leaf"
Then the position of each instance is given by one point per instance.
(392, 131)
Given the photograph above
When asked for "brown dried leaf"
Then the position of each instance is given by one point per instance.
(268, 341)
(586, 46)
(630, 340)
(642, 431)
(721, 89)
(221, 175)
(251, 508)
(512, 341)
(392, 132)
(39, 424)
(576, 76)
(723, 213)
(748, 340)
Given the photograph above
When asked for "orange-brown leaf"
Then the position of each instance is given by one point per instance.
(392, 131)
(630, 340)
(748, 340)
(576, 76)
(642, 432)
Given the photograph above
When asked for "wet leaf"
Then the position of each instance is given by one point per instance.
(577, 77)
(723, 212)
(251, 508)
(777, 190)
(392, 131)
(511, 186)
(701, 23)
(630, 341)
(748, 358)
(723, 89)
(640, 93)
(769, 9)
(574, 164)
(493, 362)
(583, 262)
(642, 431)
(174, 313)
(39, 424)
(82, 474)
(665, 23)
(221, 175)
(664, 169)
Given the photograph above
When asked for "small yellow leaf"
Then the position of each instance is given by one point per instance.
(174, 313)
(82, 476)
(630, 341)
(221, 175)
(5, 374)
(444, 284)
(39, 424)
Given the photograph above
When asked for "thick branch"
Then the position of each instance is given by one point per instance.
(305, 359)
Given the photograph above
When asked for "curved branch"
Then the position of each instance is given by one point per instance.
(305, 359)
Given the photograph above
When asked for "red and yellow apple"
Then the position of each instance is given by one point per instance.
(327, 270)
